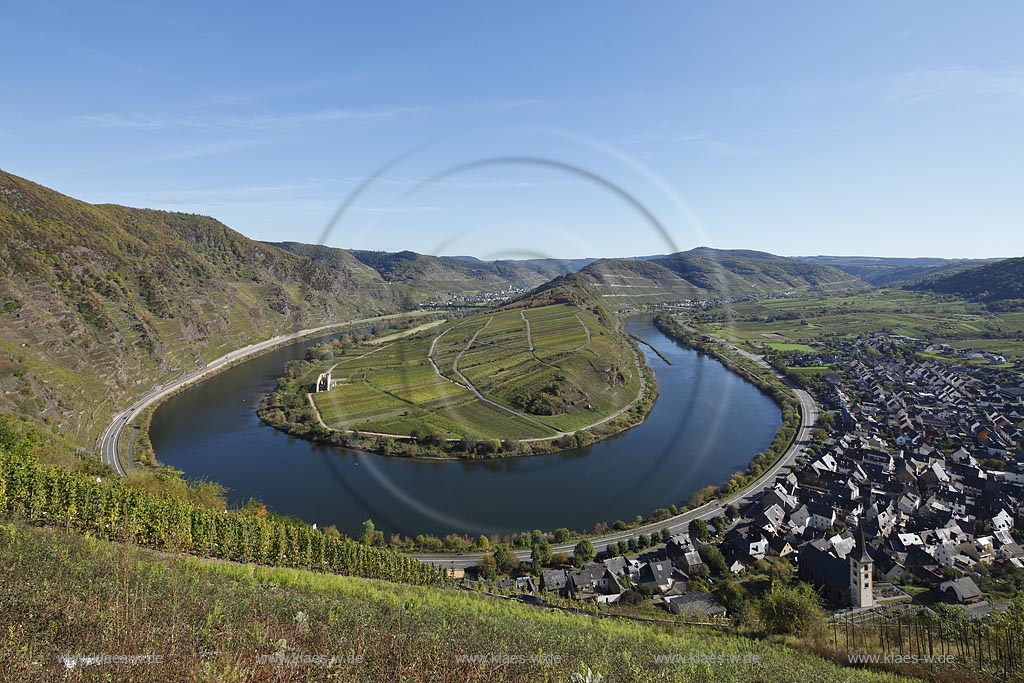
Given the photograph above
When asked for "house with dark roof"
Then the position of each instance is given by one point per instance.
(695, 604)
(962, 591)
(555, 581)
(658, 574)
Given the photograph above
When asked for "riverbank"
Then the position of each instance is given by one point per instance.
(652, 347)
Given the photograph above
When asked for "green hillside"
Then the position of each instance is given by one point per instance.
(97, 303)
(65, 595)
(995, 282)
(733, 272)
(880, 271)
(419, 276)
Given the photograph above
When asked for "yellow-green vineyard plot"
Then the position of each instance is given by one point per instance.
(350, 403)
(557, 331)
(451, 342)
(418, 383)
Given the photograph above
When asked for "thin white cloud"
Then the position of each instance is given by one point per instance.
(455, 183)
(397, 209)
(199, 151)
(523, 103)
(239, 122)
(239, 191)
(959, 83)
(710, 143)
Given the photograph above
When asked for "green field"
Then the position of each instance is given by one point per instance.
(797, 323)
(540, 371)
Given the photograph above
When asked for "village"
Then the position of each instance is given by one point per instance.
(912, 496)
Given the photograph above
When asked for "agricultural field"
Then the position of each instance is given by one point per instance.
(796, 323)
(528, 373)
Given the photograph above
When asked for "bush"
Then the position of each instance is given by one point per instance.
(795, 610)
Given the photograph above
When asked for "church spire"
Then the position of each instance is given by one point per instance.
(862, 546)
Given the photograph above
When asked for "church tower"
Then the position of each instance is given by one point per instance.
(861, 573)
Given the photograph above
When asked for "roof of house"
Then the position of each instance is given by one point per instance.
(554, 579)
(697, 603)
(659, 572)
(829, 567)
(964, 587)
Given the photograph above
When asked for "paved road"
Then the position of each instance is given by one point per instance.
(679, 523)
(108, 442)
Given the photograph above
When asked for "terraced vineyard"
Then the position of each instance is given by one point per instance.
(517, 374)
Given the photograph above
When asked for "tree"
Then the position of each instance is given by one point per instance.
(780, 570)
(583, 553)
(562, 535)
(540, 553)
(720, 524)
(731, 594)
(699, 529)
(643, 541)
(732, 512)
(666, 535)
(714, 559)
(483, 542)
(504, 559)
(488, 567)
(370, 535)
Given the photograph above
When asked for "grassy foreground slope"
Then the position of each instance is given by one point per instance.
(65, 596)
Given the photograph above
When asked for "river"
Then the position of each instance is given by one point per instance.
(706, 424)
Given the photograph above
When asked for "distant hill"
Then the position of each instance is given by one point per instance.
(700, 273)
(1001, 281)
(420, 276)
(741, 271)
(884, 272)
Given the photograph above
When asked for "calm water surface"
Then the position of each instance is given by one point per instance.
(706, 424)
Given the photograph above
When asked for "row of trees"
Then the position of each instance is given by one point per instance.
(82, 503)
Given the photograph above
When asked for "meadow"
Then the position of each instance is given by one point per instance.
(67, 596)
(791, 324)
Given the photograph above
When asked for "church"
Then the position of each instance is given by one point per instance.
(847, 583)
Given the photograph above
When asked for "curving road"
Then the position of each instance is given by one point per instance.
(112, 434)
(679, 523)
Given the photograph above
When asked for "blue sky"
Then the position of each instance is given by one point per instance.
(796, 128)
